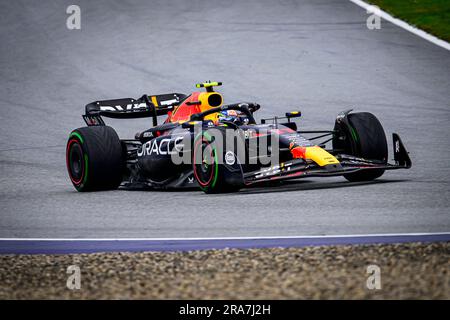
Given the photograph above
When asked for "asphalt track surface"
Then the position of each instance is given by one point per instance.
(317, 56)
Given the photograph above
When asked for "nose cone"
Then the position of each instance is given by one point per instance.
(320, 156)
(333, 167)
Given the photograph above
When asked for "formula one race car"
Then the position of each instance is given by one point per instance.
(220, 148)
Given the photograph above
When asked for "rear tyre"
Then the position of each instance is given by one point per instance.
(216, 171)
(363, 138)
(94, 158)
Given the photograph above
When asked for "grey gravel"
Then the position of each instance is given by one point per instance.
(408, 271)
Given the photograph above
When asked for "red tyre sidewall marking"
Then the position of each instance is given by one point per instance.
(203, 184)
(76, 182)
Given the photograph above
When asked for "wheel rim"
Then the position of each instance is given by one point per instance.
(75, 161)
(204, 171)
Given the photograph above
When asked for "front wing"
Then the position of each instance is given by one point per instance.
(299, 168)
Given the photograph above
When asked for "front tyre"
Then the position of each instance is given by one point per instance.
(363, 137)
(94, 158)
(216, 169)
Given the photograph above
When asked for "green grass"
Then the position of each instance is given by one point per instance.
(432, 16)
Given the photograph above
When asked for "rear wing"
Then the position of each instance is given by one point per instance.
(128, 108)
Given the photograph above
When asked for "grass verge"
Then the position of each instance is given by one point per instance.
(432, 16)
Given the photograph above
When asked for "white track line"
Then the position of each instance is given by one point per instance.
(231, 238)
(403, 24)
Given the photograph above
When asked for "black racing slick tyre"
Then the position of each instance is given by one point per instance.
(94, 158)
(216, 169)
(364, 138)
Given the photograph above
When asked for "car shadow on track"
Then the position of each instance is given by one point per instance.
(284, 186)
(305, 185)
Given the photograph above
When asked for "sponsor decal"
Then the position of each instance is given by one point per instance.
(298, 140)
(128, 107)
(283, 167)
(230, 159)
(165, 146)
(249, 133)
(168, 102)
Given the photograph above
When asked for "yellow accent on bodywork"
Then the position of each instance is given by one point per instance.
(320, 156)
(207, 84)
(203, 98)
(154, 101)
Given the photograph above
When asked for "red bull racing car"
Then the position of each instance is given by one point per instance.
(203, 143)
